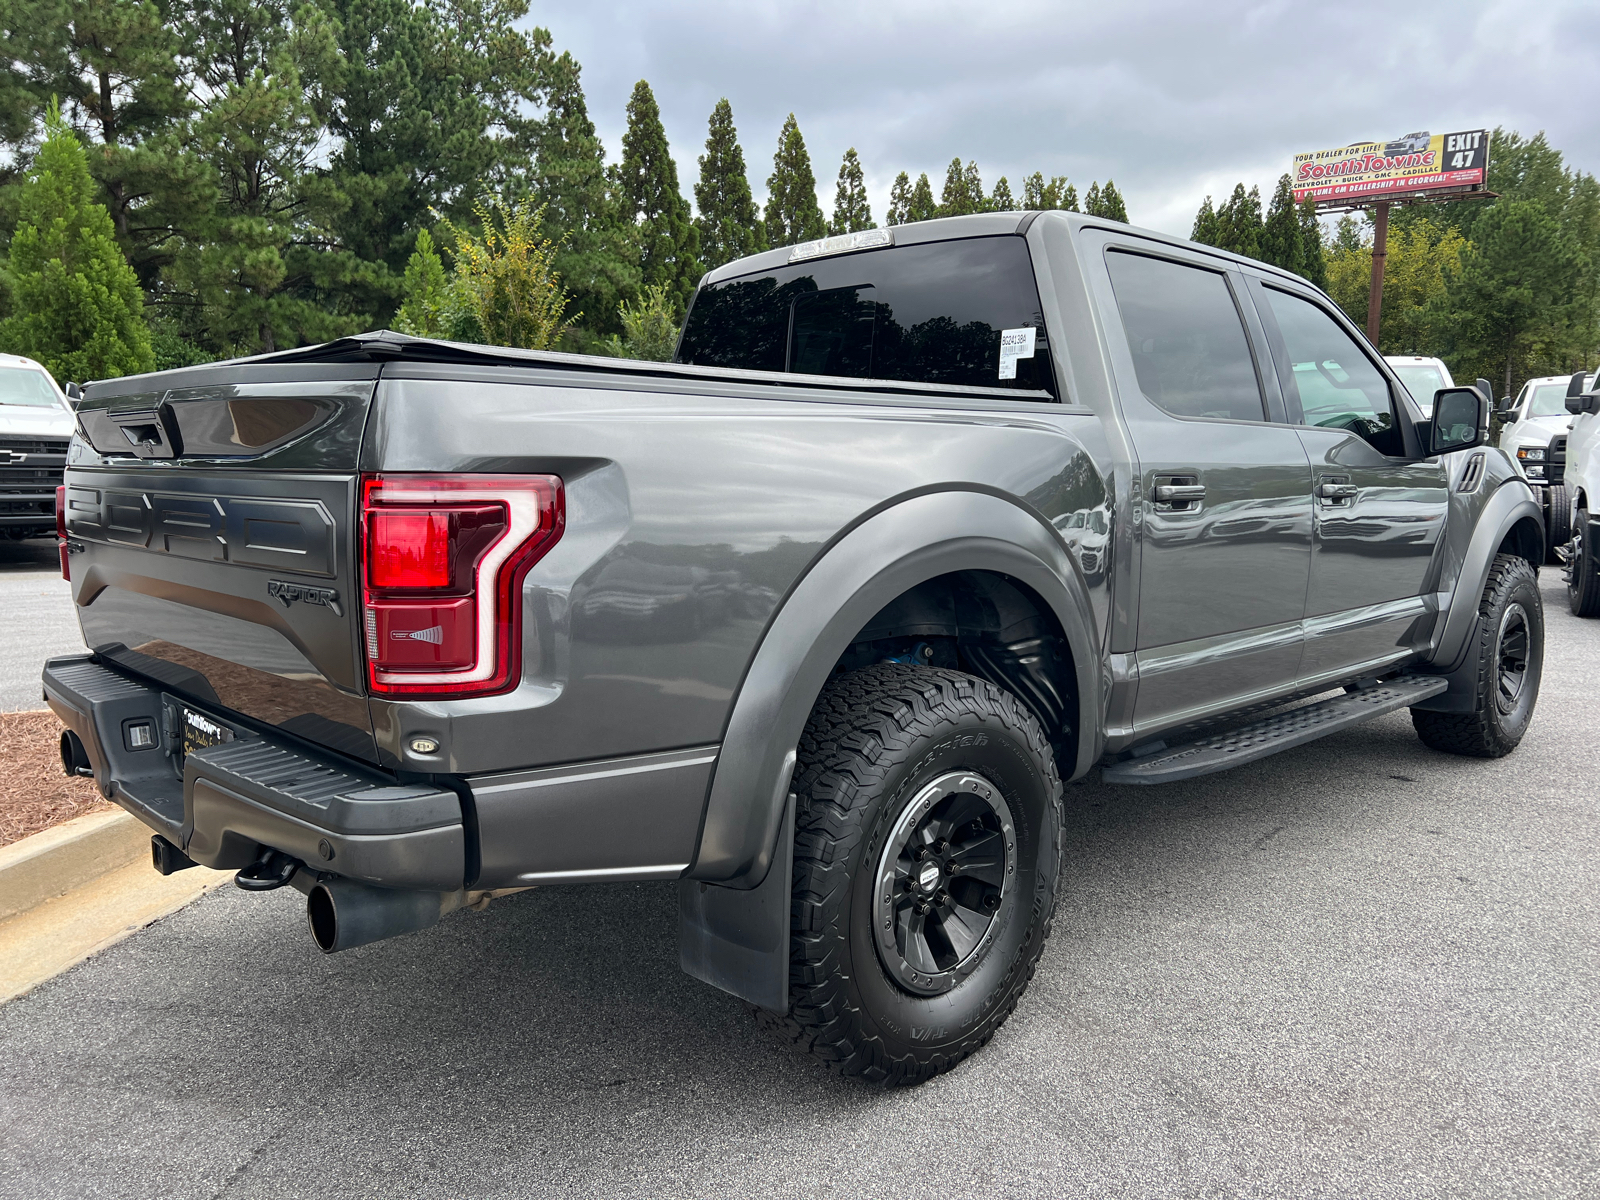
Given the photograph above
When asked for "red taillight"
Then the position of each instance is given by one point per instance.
(443, 561)
(61, 530)
(408, 548)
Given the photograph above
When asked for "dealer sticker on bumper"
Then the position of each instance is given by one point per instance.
(200, 732)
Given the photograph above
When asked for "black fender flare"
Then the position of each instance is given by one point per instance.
(1514, 501)
(882, 556)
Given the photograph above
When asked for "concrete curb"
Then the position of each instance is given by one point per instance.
(67, 856)
(71, 891)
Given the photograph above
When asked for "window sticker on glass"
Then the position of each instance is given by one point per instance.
(1014, 344)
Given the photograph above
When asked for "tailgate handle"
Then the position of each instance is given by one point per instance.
(151, 432)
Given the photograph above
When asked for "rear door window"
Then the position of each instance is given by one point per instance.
(1187, 338)
(929, 313)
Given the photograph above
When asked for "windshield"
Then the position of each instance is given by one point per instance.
(1548, 400)
(29, 388)
(1421, 382)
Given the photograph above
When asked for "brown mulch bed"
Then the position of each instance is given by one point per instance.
(34, 793)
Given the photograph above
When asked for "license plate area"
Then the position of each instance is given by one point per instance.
(196, 731)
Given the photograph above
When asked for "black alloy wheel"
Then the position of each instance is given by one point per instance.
(942, 882)
(1511, 654)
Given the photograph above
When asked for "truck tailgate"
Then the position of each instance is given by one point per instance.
(226, 572)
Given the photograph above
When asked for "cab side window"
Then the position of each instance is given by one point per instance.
(1188, 341)
(1329, 377)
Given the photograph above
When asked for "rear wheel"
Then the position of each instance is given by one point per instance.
(927, 841)
(1557, 521)
(1583, 573)
(1509, 657)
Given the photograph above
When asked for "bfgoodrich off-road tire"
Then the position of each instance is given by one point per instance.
(1583, 572)
(1508, 652)
(927, 841)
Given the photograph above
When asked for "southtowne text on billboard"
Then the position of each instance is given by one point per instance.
(1418, 162)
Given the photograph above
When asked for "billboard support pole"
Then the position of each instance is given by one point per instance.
(1380, 252)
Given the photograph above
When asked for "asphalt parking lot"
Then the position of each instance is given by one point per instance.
(38, 620)
(1358, 969)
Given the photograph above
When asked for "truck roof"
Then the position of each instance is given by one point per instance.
(989, 225)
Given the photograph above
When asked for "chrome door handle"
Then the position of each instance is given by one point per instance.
(1173, 493)
(1337, 491)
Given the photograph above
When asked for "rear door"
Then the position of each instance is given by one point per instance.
(1223, 508)
(209, 525)
(1379, 513)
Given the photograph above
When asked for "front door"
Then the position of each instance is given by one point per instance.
(1379, 514)
(1224, 507)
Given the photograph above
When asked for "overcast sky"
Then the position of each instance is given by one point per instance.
(1171, 99)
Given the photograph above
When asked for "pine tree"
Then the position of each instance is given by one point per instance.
(79, 308)
(851, 211)
(260, 260)
(922, 206)
(1091, 200)
(1280, 233)
(729, 225)
(1313, 257)
(597, 254)
(1239, 223)
(1111, 205)
(648, 183)
(963, 190)
(1205, 224)
(899, 201)
(973, 186)
(1039, 193)
(1001, 200)
(793, 214)
(115, 68)
(424, 293)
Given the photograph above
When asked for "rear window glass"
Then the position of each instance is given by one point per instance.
(930, 313)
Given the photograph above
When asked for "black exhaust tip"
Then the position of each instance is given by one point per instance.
(324, 920)
(344, 914)
(74, 758)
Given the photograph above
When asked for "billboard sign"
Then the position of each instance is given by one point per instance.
(1418, 162)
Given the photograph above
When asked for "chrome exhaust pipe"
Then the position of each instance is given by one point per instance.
(344, 914)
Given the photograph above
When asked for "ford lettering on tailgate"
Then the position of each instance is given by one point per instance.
(251, 531)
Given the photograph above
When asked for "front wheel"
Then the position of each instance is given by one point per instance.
(1508, 651)
(927, 841)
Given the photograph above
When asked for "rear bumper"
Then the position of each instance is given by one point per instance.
(230, 800)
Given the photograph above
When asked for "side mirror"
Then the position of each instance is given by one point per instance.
(1578, 400)
(72, 391)
(1505, 404)
(1487, 388)
(1460, 420)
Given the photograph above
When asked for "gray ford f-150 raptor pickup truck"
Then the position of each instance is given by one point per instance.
(815, 620)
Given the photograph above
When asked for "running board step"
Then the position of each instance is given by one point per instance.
(1272, 734)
